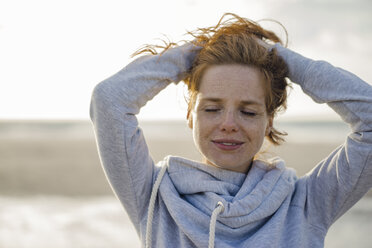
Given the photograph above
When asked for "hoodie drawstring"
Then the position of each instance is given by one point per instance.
(150, 214)
(212, 226)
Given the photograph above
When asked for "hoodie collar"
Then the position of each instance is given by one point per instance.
(246, 197)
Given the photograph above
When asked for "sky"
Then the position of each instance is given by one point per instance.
(53, 52)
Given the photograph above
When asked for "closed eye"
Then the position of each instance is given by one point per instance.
(212, 110)
(248, 113)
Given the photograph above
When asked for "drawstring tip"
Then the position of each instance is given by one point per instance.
(220, 204)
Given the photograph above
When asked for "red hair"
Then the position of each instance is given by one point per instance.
(236, 41)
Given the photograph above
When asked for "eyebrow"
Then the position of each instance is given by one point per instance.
(218, 100)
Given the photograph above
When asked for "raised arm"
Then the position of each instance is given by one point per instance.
(342, 178)
(121, 144)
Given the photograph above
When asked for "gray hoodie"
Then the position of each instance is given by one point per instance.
(184, 203)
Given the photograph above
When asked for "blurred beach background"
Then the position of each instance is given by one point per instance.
(53, 191)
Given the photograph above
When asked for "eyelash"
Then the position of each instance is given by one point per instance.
(248, 113)
(212, 110)
(243, 112)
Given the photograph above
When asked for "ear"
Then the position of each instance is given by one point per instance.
(269, 125)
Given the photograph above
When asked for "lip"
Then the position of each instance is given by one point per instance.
(227, 144)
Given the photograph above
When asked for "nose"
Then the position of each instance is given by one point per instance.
(229, 122)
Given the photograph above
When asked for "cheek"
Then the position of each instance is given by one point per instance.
(261, 131)
(255, 129)
(197, 135)
(195, 128)
(202, 128)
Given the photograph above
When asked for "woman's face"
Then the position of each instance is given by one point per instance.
(229, 116)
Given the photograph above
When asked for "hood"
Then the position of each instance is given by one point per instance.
(247, 198)
(192, 192)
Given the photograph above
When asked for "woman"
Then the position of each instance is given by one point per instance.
(237, 84)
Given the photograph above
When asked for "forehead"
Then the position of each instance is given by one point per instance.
(233, 81)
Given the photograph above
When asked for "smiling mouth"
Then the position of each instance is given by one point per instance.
(227, 145)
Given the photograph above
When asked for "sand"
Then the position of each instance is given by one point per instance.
(60, 158)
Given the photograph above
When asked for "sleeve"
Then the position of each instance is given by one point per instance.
(121, 145)
(343, 177)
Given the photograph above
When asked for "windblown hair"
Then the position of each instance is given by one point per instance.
(237, 40)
